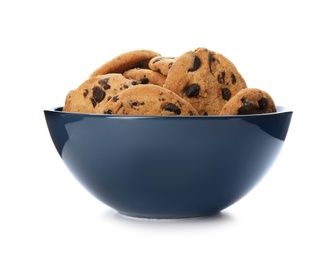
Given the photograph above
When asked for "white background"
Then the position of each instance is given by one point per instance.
(50, 47)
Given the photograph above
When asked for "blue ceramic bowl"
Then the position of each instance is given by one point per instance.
(168, 167)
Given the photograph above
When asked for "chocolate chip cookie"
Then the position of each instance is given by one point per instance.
(149, 100)
(145, 76)
(206, 79)
(126, 61)
(249, 101)
(94, 92)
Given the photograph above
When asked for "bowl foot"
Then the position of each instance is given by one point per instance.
(168, 217)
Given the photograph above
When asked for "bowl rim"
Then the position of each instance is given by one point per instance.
(58, 110)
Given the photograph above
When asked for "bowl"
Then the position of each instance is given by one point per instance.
(172, 166)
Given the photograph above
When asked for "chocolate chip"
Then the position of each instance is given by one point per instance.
(134, 83)
(144, 80)
(196, 64)
(233, 78)
(134, 103)
(192, 90)
(221, 77)
(121, 106)
(85, 93)
(226, 93)
(263, 103)
(98, 94)
(115, 98)
(211, 59)
(172, 108)
(93, 101)
(247, 105)
(161, 58)
(104, 83)
(109, 112)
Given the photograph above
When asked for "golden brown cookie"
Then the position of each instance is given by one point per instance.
(126, 61)
(206, 79)
(145, 76)
(161, 64)
(149, 100)
(93, 93)
(249, 101)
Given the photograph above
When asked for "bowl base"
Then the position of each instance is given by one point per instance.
(157, 217)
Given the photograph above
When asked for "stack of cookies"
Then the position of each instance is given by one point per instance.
(143, 82)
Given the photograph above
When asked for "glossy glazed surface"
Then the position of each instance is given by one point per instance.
(168, 167)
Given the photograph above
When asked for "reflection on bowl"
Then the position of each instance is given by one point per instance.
(168, 167)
